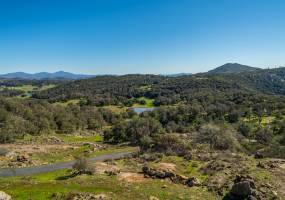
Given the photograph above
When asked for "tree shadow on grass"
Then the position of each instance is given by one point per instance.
(66, 177)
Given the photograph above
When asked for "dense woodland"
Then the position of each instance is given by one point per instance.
(236, 112)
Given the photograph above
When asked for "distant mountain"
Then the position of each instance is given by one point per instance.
(232, 68)
(45, 75)
(178, 75)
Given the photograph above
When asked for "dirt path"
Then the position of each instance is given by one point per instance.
(56, 166)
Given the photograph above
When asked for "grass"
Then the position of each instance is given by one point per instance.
(66, 103)
(265, 120)
(67, 138)
(116, 109)
(42, 186)
(78, 138)
(187, 168)
(28, 89)
(70, 154)
(149, 102)
(145, 88)
(74, 147)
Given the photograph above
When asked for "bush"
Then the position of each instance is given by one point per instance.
(3, 151)
(217, 138)
(244, 129)
(83, 166)
(264, 135)
(171, 144)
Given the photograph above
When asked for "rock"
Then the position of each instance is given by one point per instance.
(275, 194)
(188, 156)
(112, 171)
(258, 155)
(22, 158)
(164, 186)
(100, 197)
(85, 196)
(193, 182)
(4, 196)
(175, 178)
(53, 140)
(153, 198)
(270, 164)
(241, 189)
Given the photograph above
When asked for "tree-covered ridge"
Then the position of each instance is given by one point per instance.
(115, 90)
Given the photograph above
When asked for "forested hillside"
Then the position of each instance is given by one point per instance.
(114, 90)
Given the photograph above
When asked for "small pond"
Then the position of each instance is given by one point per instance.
(141, 110)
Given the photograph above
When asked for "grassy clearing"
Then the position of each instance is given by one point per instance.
(66, 138)
(40, 187)
(149, 102)
(71, 153)
(115, 109)
(79, 138)
(28, 89)
(71, 147)
(66, 103)
(145, 88)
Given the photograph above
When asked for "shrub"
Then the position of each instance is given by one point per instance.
(3, 151)
(171, 144)
(216, 137)
(82, 166)
(264, 135)
(244, 129)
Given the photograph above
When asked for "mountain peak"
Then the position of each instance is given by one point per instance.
(229, 68)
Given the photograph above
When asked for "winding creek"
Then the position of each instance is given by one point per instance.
(27, 171)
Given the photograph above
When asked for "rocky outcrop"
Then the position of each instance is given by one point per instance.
(270, 164)
(4, 196)
(243, 188)
(175, 178)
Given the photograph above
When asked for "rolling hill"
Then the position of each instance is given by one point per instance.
(45, 75)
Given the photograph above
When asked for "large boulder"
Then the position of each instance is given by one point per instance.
(241, 189)
(4, 196)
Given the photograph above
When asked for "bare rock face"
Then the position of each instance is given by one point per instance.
(4, 196)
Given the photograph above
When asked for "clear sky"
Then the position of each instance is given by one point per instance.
(139, 36)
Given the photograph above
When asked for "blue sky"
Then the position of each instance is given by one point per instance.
(139, 36)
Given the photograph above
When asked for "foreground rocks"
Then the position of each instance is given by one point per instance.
(78, 196)
(244, 188)
(175, 178)
(270, 164)
(4, 196)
